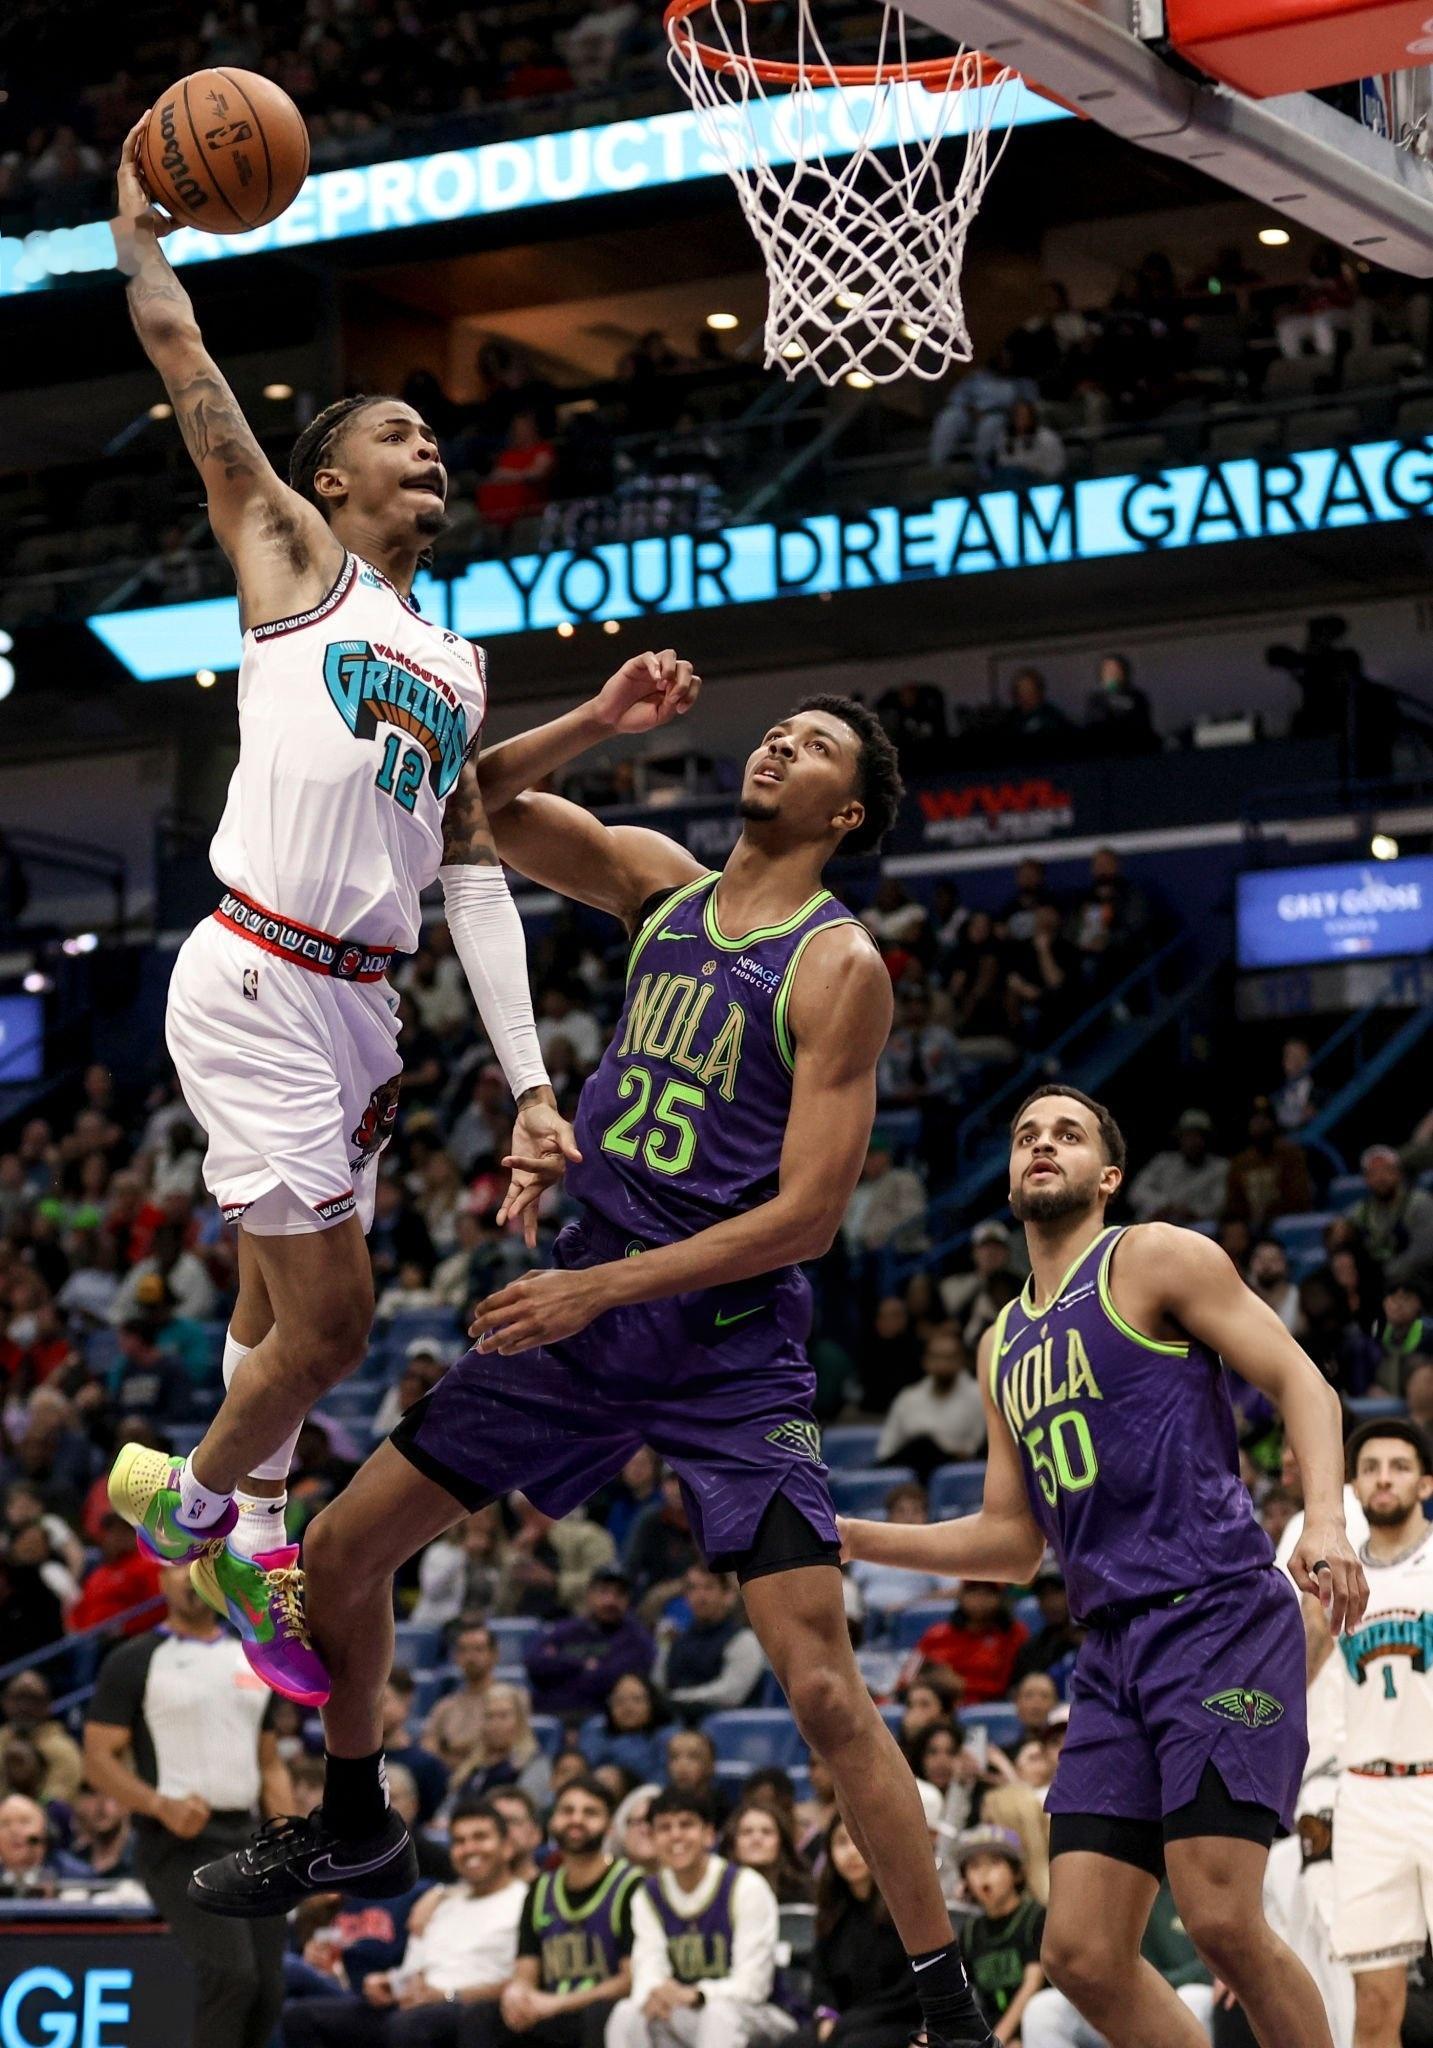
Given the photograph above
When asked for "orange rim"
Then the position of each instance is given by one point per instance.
(936, 74)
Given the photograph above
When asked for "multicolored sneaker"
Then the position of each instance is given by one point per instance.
(144, 1489)
(264, 1598)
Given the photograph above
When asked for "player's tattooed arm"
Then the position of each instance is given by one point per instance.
(467, 836)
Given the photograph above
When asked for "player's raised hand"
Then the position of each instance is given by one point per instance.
(648, 691)
(1325, 1564)
(136, 208)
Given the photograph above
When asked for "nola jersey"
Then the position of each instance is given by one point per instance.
(700, 1936)
(1388, 1665)
(683, 1122)
(579, 1938)
(354, 720)
(1128, 1445)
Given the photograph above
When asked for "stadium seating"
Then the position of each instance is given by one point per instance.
(850, 1446)
(956, 1489)
(999, 1720)
(757, 1736)
(860, 1493)
(1302, 1238)
(513, 1635)
(911, 1623)
(416, 1646)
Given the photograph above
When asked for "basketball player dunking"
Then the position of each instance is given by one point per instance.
(721, 1138)
(354, 789)
(1383, 1811)
(1111, 1436)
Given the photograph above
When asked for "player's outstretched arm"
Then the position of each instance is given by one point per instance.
(609, 867)
(280, 546)
(488, 939)
(1162, 1274)
(1003, 1541)
(647, 692)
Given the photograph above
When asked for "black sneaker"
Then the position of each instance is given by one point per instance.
(290, 1859)
(925, 2039)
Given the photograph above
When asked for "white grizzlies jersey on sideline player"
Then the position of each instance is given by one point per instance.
(354, 720)
(1388, 1662)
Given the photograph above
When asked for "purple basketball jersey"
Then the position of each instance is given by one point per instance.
(683, 1122)
(702, 1943)
(1128, 1445)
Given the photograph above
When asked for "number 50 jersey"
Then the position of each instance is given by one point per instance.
(1128, 1445)
(683, 1123)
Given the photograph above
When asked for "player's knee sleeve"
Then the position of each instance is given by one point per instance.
(277, 1465)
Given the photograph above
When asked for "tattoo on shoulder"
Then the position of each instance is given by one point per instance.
(467, 836)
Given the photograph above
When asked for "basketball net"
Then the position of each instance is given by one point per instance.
(859, 182)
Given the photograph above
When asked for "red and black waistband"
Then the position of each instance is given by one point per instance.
(343, 959)
(1390, 1767)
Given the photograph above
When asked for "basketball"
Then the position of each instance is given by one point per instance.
(224, 151)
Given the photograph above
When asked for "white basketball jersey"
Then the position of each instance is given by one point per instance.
(354, 720)
(1388, 1662)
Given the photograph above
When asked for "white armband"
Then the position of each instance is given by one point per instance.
(488, 939)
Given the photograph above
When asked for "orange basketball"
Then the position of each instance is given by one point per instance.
(224, 151)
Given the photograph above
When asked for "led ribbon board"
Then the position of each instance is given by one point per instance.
(1315, 491)
(505, 177)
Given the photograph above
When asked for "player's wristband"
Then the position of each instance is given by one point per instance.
(487, 937)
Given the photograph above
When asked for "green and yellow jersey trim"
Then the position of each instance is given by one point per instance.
(1027, 1292)
(1107, 1303)
(664, 910)
(555, 1892)
(996, 1344)
(785, 1044)
(765, 931)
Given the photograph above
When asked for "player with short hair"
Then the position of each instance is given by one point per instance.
(1111, 1436)
(721, 1138)
(1383, 1809)
(353, 791)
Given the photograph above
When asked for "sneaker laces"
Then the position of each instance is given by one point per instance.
(279, 1839)
(286, 1589)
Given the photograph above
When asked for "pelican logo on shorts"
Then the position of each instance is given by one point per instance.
(375, 1126)
(251, 984)
(1246, 1705)
(802, 1439)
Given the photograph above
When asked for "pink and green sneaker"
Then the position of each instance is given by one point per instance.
(144, 1489)
(264, 1598)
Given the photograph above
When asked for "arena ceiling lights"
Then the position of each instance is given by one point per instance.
(1315, 491)
(493, 178)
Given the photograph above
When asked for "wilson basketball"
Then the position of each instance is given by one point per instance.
(224, 150)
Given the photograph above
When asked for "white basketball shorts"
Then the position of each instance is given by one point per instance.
(293, 1075)
(1383, 1870)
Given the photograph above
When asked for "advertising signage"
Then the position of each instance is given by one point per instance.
(1298, 917)
(526, 171)
(1204, 505)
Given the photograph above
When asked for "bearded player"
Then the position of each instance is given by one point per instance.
(1383, 1812)
(721, 1138)
(1111, 1436)
(353, 791)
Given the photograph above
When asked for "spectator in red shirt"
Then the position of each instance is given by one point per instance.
(520, 481)
(34, 1346)
(119, 1581)
(979, 1643)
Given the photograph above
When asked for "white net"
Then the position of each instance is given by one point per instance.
(860, 195)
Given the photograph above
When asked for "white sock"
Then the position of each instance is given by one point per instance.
(197, 1505)
(260, 1526)
(277, 1466)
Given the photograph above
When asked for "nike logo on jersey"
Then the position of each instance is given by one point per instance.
(664, 934)
(724, 1321)
(323, 1869)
